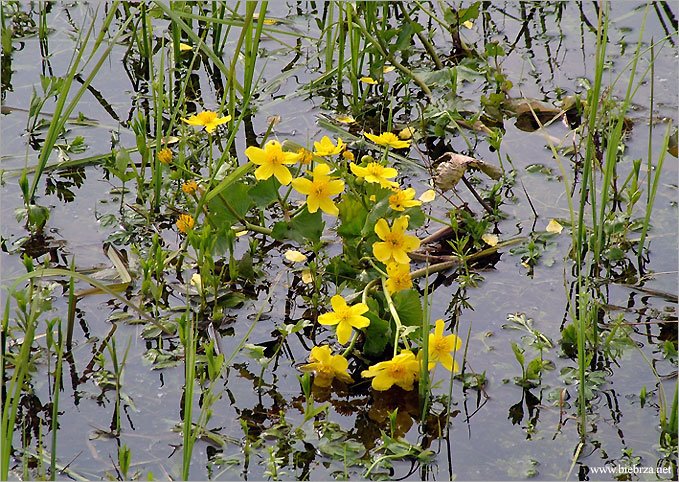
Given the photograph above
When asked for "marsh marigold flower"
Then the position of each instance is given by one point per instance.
(375, 173)
(388, 139)
(165, 156)
(271, 161)
(306, 156)
(319, 190)
(207, 119)
(402, 370)
(441, 346)
(348, 155)
(399, 277)
(325, 366)
(345, 317)
(190, 186)
(327, 148)
(185, 222)
(402, 199)
(395, 244)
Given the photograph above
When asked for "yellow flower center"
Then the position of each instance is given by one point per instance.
(396, 371)
(395, 239)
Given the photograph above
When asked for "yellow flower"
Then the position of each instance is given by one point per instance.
(319, 190)
(403, 199)
(375, 172)
(190, 186)
(327, 148)
(368, 80)
(271, 161)
(325, 366)
(440, 347)
(402, 370)
(165, 156)
(294, 256)
(306, 156)
(399, 277)
(185, 222)
(345, 317)
(207, 119)
(388, 139)
(396, 244)
(348, 155)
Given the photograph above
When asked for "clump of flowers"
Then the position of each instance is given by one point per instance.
(375, 173)
(208, 119)
(165, 156)
(319, 190)
(395, 244)
(325, 366)
(345, 317)
(399, 277)
(388, 139)
(190, 187)
(271, 161)
(185, 222)
(402, 199)
(402, 370)
(327, 148)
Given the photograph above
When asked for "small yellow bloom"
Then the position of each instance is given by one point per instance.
(189, 187)
(554, 227)
(327, 148)
(375, 173)
(440, 347)
(307, 277)
(294, 256)
(428, 196)
(319, 190)
(325, 366)
(406, 134)
(348, 155)
(306, 156)
(185, 222)
(395, 244)
(388, 139)
(271, 161)
(197, 281)
(403, 199)
(207, 119)
(399, 277)
(368, 80)
(402, 370)
(373, 198)
(490, 239)
(345, 317)
(165, 156)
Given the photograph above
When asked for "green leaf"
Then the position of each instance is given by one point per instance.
(352, 216)
(265, 192)
(237, 198)
(408, 307)
(379, 211)
(518, 353)
(534, 369)
(377, 335)
(304, 226)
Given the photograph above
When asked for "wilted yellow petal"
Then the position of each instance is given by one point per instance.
(406, 133)
(294, 256)
(346, 119)
(306, 276)
(468, 24)
(387, 68)
(554, 227)
(196, 280)
(242, 233)
(368, 80)
(428, 196)
(490, 239)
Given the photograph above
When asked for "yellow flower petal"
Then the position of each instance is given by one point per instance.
(428, 196)
(368, 80)
(468, 24)
(554, 227)
(490, 239)
(294, 256)
(307, 277)
(387, 68)
(406, 134)
(345, 119)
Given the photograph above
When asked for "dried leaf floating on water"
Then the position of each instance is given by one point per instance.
(451, 168)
